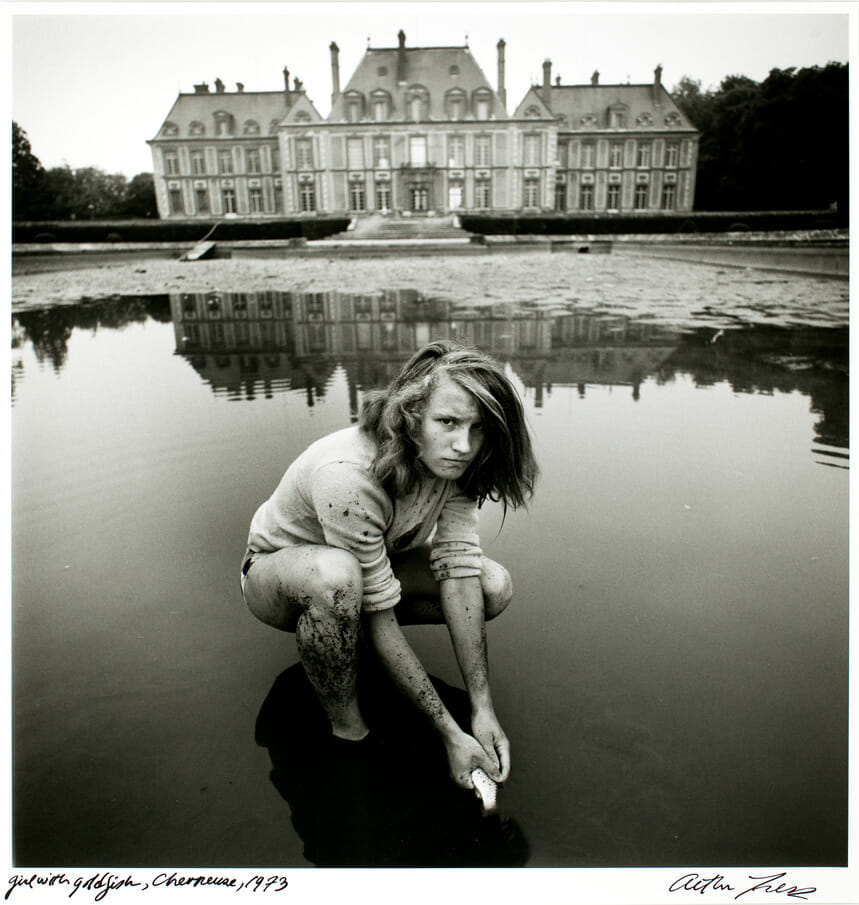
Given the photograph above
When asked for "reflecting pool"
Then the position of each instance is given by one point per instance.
(672, 673)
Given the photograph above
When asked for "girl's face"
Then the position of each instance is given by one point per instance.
(451, 432)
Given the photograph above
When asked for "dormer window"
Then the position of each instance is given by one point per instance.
(381, 106)
(589, 120)
(645, 119)
(272, 126)
(170, 129)
(482, 103)
(673, 119)
(417, 101)
(532, 112)
(251, 127)
(196, 129)
(455, 103)
(354, 106)
(302, 117)
(224, 123)
(617, 116)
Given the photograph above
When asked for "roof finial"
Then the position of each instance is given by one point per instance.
(466, 40)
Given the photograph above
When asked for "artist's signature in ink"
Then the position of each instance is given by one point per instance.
(771, 883)
(102, 883)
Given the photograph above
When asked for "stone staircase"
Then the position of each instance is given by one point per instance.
(393, 228)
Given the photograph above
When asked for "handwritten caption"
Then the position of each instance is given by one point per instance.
(99, 885)
(772, 883)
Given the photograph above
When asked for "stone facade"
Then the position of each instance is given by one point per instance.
(419, 131)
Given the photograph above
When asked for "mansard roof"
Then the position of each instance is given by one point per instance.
(647, 106)
(436, 69)
(264, 108)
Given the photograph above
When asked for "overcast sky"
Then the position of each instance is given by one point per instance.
(92, 82)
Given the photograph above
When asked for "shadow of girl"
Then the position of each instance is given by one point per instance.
(387, 801)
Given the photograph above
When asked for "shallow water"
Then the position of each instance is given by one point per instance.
(672, 674)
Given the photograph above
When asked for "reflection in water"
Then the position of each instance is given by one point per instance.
(246, 344)
(387, 801)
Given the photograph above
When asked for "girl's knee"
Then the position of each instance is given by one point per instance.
(334, 581)
(497, 588)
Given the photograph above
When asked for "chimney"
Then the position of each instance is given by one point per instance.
(202, 88)
(547, 83)
(286, 87)
(502, 91)
(401, 58)
(657, 86)
(595, 78)
(240, 87)
(219, 86)
(335, 71)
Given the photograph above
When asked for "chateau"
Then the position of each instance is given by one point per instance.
(420, 131)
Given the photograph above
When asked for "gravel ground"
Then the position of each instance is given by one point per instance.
(679, 293)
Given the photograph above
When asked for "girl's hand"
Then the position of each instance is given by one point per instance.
(464, 755)
(488, 731)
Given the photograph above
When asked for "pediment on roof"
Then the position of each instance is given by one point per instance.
(301, 110)
(532, 106)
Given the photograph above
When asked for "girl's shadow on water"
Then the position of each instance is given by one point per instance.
(387, 801)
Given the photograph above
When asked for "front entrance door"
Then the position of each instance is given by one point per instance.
(419, 195)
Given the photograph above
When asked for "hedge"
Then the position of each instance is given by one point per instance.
(688, 222)
(174, 230)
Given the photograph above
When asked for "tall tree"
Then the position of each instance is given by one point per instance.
(140, 197)
(778, 145)
(27, 174)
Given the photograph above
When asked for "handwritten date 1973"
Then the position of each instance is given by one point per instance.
(100, 884)
(718, 883)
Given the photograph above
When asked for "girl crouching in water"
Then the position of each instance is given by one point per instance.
(347, 538)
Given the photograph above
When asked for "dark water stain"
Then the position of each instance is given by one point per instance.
(387, 800)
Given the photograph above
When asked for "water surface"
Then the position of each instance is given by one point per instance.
(672, 673)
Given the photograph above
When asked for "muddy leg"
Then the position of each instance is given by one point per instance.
(316, 592)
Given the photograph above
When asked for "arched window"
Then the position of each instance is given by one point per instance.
(417, 100)
(353, 106)
(381, 105)
(644, 119)
(169, 129)
(196, 128)
(532, 112)
(251, 127)
(455, 104)
(302, 117)
(673, 119)
(482, 103)
(224, 123)
(589, 120)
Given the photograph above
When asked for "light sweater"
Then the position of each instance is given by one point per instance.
(329, 495)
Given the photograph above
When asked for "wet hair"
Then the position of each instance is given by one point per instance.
(504, 469)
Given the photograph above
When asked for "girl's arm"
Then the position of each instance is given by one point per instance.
(462, 605)
(464, 753)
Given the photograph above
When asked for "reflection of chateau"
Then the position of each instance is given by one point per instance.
(245, 343)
